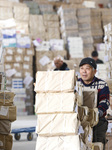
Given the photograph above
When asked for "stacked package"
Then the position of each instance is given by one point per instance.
(58, 124)
(45, 8)
(75, 46)
(68, 21)
(33, 7)
(84, 26)
(51, 22)
(37, 28)
(7, 115)
(106, 16)
(88, 113)
(97, 31)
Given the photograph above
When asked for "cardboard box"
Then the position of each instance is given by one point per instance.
(8, 113)
(18, 58)
(8, 66)
(29, 51)
(58, 124)
(6, 142)
(18, 66)
(5, 127)
(43, 58)
(51, 17)
(28, 59)
(8, 59)
(19, 51)
(10, 51)
(6, 98)
(54, 103)
(58, 142)
(57, 81)
(6, 13)
(21, 10)
(60, 53)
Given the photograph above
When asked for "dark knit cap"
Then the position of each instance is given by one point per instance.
(89, 61)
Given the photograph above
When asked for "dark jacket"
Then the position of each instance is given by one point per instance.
(63, 67)
(98, 61)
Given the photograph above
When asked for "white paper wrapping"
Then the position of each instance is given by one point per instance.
(55, 81)
(54, 102)
(58, 143)
(57, 124)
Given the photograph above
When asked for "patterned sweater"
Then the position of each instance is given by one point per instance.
(103, 93)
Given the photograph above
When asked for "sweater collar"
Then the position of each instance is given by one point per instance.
(89, 83)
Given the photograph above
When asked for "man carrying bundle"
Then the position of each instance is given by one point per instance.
(88, 79)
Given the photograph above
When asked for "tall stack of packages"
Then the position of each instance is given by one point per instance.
(84, 26)
(68, 22)
(18, 59)
(96, 26)
(57, 123)
(24, 53)
(88, 114)
(51, 22)
(7, 116)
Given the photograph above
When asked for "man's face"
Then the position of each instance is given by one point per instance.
(87, 73)
(58, 63)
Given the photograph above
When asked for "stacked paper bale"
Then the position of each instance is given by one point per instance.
(37, 28)
(106, 16)
(68, 21)
(7, 115)
(88, 113)
(33, 7)
(45, 8)
(96, 26)
(57, 124)
(51, 22)
(100, 47)
(84, 26)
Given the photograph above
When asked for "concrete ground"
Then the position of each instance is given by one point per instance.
(23, 143)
